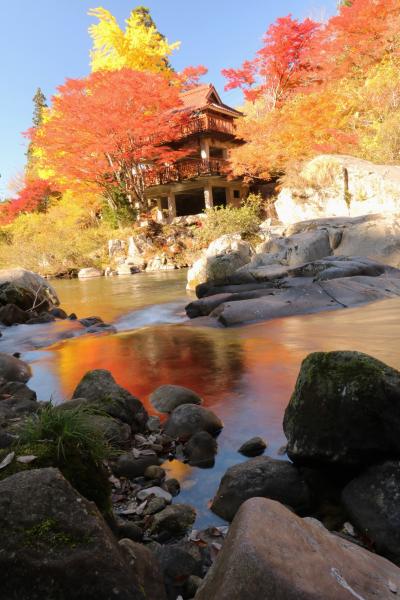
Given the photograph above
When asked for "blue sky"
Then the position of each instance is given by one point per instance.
(44, 41)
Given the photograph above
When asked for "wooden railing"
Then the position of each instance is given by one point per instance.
(185, 169)
(205, 122)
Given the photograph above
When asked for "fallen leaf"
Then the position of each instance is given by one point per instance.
(8, 459)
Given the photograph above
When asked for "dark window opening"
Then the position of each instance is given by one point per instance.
(216, 152)
(164, 203)
(219, 196)
(236, 193)
(190, 203)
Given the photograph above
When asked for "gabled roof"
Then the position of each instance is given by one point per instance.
(203, 96)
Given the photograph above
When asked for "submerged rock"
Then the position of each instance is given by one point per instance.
(344, 411)
(253, 447)
(372, 501)
(56, 544)
(168, 397)
(100, 389)
(270, 553)
(188, 419)
(262, 476)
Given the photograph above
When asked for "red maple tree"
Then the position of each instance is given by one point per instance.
(106, 131)
(33, 197)
(282, 65)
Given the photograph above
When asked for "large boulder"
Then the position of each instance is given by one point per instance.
(146, 568)
(55, 544)
(89, 272)
(372, 501)
(14, 369)
(302, 247)
(262, 476)
(201, 449)
(270, 553)
(345, 410)
(26, 289)
(168, 397)
(100, 389)
(188, 419)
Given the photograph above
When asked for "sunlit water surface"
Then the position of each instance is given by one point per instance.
(245, 374)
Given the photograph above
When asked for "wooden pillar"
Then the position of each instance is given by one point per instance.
(208, 196)
(159, 214)
(171, 205)
(204, 149)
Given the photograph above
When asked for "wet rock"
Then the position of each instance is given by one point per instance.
(173, 522)
(372, 501)
(344, 410)
(153, 424)
(14, 369)
(10, 314)
(188, 419)
(130, 467)
(56, 544)
(201, 450)
(146, 569)
(154, 472)
(178, 563)
(253, 447)
(154, 491)
(154, 506)
(101, 328)
(39, 319)
(18, 391)
(58, 313)
(116, 433)
(89, 272)
(127, 529)
(172, 486)
(168, 397)
(265, 477)
(271, 553)
(89, 321)
(26, 289)
(99, 388)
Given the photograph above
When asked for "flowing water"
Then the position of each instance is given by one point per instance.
(245, 374)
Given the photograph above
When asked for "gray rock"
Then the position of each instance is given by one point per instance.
(173, 522)
(270, 553)
(14, 369)
(168, 397)
(179, 562)
(89, 321)
(100, 389)
(26, 289)
(345, 410)
(127, 529)
(253, 447)
(262, 476)
(153, 424)
(372, 501)
(18, 391)
(89, 272)
(154, 506)
(154, 472)
(172, 486)
(56, 544)
(154, 491)
(129, 466)
(11, 314)
(188, 419)
(146, 569)
(201, 450)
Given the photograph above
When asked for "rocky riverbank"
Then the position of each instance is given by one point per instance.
(79, 525)
(308, 267)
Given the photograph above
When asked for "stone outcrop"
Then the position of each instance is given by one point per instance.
(89, 272)
(336, 186)
(273, 554)
(99, 389)
(344, 411)
(372, 501)
(55, 544)
(307, 267)
(260, 477)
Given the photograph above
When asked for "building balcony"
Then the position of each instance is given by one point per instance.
(190, 168)
(206, 123)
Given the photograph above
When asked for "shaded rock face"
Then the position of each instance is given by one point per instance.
(262, 476)
(129, 466)
(173, 522)
(273, 554)
(345, 410)
(55, 544)
(201, 450)
(25, 288)
(100, 389)
(188, 419)
(14, 369)
(168, 397)
(146, 568)
(253, 447)
(372, 501)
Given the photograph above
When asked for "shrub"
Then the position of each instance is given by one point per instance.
(223, 220)
(67, 440)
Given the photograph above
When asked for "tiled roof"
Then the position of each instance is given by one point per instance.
(201, 96)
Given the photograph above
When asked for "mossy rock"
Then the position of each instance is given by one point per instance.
(87, 477)
(345, 410)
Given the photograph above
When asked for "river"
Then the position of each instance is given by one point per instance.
(244, 374)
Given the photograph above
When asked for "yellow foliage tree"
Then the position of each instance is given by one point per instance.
(141, 46)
